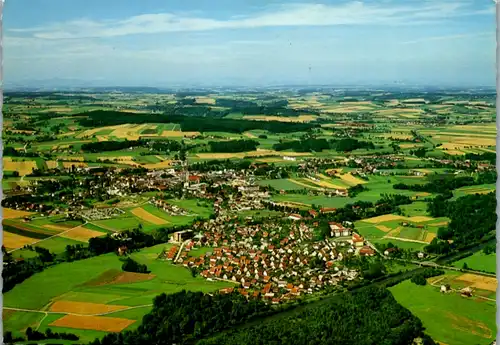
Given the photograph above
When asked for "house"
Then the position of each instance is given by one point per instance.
(466, 292)
(421, 255)
(337, 230)
(366, 251)
(295, 216)
(445, 288)
(357, 240)
(389, 251)
(194, 178)
(122, 250)
(327, 210)
(313, 213)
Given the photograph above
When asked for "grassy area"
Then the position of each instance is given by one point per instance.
(448, 318)
(69, 282)
(479, 261)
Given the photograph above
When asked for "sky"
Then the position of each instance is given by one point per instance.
(163, 43)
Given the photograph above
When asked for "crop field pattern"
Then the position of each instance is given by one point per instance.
(100, 176)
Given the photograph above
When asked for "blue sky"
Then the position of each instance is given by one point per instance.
(252, 42)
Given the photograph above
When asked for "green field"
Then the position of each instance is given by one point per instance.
(70, 282)
(449, 318)
(479, 261)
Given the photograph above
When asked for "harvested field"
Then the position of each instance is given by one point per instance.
(98, 323)
(9, 213)
(52, 164)
(73, 158)
(327, 184)
(301, 118)
(429, 237)
(81, 234)
(116, 159)
(396, 136)
(14, 241)
(22, 167)
(205, 100)
(304, 184)
(439, 224)
(58, 228)
(160, 165)
(118, 277)
(383, 228)
(178, 134)
(394, 232)
(479, 282)
(419, 219)
(256, 153)
(84, 307)
(145, 215)
(384, 218)
(352, 180)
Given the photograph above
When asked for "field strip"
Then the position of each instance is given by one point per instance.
(405, 239)
(102, 226)
(145, 215)
(40, 323)
(76, 314)
(56, 235)
(304, 185)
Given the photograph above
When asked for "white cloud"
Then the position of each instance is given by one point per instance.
(450, 37)
(351, 13)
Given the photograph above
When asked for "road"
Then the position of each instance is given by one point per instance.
(180, 250)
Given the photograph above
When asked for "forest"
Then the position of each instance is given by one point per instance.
(472, 217)
(233, 145)
(101, 118)
(370, 316)
(318, 145)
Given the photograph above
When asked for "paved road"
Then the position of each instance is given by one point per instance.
(180, 250)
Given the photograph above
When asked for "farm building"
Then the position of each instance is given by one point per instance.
(180, 236)
(389, 251)
(337, 230)
(357, 240)
(295, 217)
(366, 251)
(445, 288)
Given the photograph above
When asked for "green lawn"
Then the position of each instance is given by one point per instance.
(122, 223)
(449, 318)
(281, 184)
(417, 208)
(479, 261)
(368, 230)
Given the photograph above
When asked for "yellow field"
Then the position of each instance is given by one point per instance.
(9, 213)
(479, 282)
(145, 215)
(75, 158)
(23, 168)
(205, 100)
(14, 241)
(159, 165)
(429, 237)
(484, 134)
(383, 218)
(81, 234)
(55, 227)
(300, 118)
(293, 204)
(98, 323)
(83, 307)
(177, 134)
(419, 219)
(439, 224)
(324, 183)
(352, 180)
(52, 164)
(394, 232)
(396, 136)
(383, 228)
(116, 159)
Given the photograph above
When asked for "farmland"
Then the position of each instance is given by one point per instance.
(108, 177)
(470, 321)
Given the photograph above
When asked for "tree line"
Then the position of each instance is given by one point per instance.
(100, 118)
(318, 145)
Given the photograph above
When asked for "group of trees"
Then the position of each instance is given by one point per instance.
(130, 265)
(183, 317)
(318, 145)
(100, 118)
(472, 217)
(101, 146)
(372, 312)
(445, 184)
(233, 145)
(421, 278)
